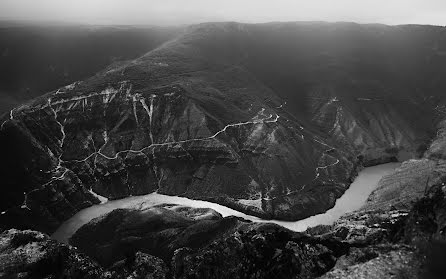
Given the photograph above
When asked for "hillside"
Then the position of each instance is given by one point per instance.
(35, 59)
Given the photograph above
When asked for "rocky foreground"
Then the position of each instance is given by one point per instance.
(176, 242)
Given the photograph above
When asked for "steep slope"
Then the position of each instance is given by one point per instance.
(204, 116)
(133, 137)
(413, 179)
(381, 83)
(37, 58)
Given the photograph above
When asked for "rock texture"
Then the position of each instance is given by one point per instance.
(263, 251)
(138, 266)
(30, 254)
(392, 264)
(413, 179)
(406, 185)
(395, 244)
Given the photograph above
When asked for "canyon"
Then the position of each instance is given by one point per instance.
(353, 199)
(181, 121)
(272, 121)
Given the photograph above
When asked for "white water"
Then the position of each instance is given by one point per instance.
(352, 200)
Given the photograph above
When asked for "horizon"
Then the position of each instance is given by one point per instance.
(55, 23)
(178, 12)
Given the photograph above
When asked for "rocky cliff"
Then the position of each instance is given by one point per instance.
(30, 254)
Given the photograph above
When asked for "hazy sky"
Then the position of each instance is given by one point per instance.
(170, 12)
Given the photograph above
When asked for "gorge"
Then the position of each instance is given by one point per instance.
(351, 200)
(234, 149)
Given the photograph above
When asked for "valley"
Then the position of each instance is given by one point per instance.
(299, 149)
(353, 199)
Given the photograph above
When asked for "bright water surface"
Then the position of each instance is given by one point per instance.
(352, 200)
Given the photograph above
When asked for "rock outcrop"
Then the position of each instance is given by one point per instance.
(392, 244)
(31, 254)
(158, 231)
(410, 182)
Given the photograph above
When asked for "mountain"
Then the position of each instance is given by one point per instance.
(37, 58)
(274, 120)
(270, 119)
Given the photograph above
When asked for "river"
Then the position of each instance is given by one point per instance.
(352, 200)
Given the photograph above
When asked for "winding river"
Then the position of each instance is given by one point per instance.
(352, 200)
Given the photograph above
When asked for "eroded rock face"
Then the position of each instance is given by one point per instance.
(406, 185)
(38, 192)
(411, 181)
(132, 138)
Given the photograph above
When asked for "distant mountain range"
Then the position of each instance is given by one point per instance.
(41, 57)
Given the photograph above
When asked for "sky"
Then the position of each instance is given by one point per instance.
(175, 12)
